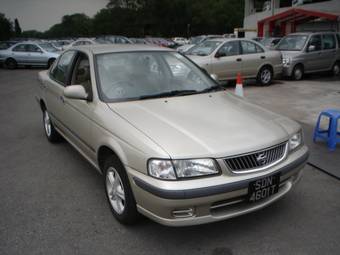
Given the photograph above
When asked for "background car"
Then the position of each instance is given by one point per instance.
(79, 42)
(113, 39)
(6, 44)
(195, 41)
(228, 57)
(29, 54)
(180, 40)
(309, 53)
(270, 42)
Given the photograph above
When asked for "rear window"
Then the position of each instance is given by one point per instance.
(328, 42)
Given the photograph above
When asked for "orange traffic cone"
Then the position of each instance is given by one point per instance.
(239, 85)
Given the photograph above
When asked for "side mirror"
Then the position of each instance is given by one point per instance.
(311, 48)
(76, 92)
(219, 55)
(214, 76)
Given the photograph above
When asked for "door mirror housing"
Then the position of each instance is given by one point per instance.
(311, 48)
(214, 76)
(76, 92)
(220, 55)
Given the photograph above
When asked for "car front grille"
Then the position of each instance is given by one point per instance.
(258, 160)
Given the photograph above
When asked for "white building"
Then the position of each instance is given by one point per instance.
(281, 17)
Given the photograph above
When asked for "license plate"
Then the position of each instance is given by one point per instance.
(263, 188)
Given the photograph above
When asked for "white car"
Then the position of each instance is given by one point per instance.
(180, 40)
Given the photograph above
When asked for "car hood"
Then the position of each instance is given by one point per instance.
(206, 125)
(290, 54)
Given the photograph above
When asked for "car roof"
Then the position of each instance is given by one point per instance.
(112, 48)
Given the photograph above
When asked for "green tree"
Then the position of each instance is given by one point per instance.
(17, 28)
(5, 27)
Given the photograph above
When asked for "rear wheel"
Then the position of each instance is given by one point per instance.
(119, 192)
(11, 63)
(298, 73)
(336, 69)
(265, 76)
(51, 133)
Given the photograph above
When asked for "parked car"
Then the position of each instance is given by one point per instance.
(113, 39)
(138, 40)
(61, 44)
(79, 42)
(180, 40)
(195, 41)
(309, 53)
(170, 142)
(270, 42)
(29, 54)
(228, 57)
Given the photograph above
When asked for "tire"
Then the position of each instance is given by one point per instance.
(50, 62)
(51, 133)
(298, 73)
(265, 76)
(11, 64)
(119, 193)
(336, 69)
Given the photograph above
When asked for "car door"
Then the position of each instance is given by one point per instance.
(19, 53)
(252, 58)
(328, 50)
(35, 55)
(227, 61)
(54, 88)
(77, 113)
(312, 59)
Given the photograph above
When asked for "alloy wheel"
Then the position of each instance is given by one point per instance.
(47, 124)
(115, 190)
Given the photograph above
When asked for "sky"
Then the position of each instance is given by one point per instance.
(42, 14)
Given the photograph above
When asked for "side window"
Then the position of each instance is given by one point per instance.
(250, 48)
(229, 49)
(338, 37)
(328, 42)
(81, 74)
(32, 48)
(315, 41)
(61, 70)
(78, 43)
(20, 48)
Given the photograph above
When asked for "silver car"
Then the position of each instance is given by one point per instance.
(170, 142)
(227, 57)
(309, 53)
(29, 54)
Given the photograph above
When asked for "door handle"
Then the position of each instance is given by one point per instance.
(239, 59)
(263, 57)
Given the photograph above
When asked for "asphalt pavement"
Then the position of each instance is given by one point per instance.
(52, 201)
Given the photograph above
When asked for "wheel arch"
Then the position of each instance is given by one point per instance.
(105, 151)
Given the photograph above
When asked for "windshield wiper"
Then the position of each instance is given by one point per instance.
(170, 94)
(213, 88)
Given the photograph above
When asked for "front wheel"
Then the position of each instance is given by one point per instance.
(265, 76)
(298, 73)
(119, 192)
(51, 133)
(336, 69)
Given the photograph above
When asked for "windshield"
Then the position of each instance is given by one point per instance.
(143, 75)
(292, 43)
(204, 49)
(48, 47)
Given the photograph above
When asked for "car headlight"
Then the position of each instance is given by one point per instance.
(295, 141)
(286, 61)
(173, 169)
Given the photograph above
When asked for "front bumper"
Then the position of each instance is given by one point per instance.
(193, 202)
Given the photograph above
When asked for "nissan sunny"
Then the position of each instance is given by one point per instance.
(171, 143)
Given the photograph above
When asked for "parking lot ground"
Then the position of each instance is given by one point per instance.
(52, 201)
